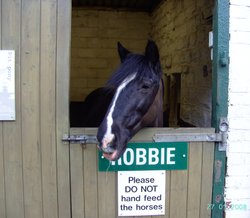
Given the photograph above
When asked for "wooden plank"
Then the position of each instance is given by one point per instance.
(76, 176)
(107, 194)
(2, 179)
(178, 194)
(194, 179)
(30, 108)
(48, 107)
(2, 185)
(106, 186)
(107, 189)
(13, 173)
(77, 180)
(206, 179)
(62, 104)
(167, 194)
(11, 12)
(90, 169)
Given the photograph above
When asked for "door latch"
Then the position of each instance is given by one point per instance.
(80, 139)
(223, 130)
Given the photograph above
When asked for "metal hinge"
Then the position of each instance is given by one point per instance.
(80, 139)
(220, 137)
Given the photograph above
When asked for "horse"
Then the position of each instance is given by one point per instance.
(137, 101)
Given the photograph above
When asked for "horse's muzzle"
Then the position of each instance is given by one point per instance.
(108, 149)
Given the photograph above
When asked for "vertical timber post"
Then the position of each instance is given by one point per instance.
(220, 98)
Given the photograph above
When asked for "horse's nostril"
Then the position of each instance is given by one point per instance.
(108, 149)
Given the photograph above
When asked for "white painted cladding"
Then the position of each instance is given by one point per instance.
(237, 190)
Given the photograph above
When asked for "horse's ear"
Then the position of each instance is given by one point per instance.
(151, 52)
(123, 52)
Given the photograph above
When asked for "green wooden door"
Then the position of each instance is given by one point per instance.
(220, 97)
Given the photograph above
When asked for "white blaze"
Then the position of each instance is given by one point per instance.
(108, 136)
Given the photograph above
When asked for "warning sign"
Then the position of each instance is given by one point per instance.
(141, 193)
(7, 85)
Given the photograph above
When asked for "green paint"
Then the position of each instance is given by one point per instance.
(149, 156)
(220, 97)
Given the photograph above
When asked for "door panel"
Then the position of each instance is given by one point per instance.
(188, 192)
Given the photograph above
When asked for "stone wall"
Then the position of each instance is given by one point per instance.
(181, 30)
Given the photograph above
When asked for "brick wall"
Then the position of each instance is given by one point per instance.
(237, 190)
(94, 38)
(181, 30)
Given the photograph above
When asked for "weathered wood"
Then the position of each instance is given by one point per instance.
(187, 191)
(11, 12)
(178, 194)
(77, 180)
(107, 194)
(31, 143)
(48, 107)
(62, 103)
(167, 194)
(206, 179)
(90, 181)
(2, 185)
(194, 179)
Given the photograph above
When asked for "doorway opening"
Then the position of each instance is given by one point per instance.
(181, 31)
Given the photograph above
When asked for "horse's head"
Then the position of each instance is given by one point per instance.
(137, 83)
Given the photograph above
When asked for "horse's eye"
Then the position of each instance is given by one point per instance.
(146, 84)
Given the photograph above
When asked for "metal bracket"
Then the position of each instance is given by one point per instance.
(223, 127)
(80, 139)
(188, 137)
(220, 137)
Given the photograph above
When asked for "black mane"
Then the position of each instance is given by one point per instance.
(134, 63)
